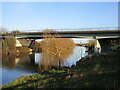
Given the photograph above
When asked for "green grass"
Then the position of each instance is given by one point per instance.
(99, 71)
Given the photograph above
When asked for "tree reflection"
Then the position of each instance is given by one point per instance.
(8, 60)
(12, 61)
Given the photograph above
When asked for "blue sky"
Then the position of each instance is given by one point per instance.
(42, 15)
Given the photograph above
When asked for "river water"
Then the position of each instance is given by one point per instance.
(14, 66)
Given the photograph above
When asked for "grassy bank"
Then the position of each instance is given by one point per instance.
(99, 71)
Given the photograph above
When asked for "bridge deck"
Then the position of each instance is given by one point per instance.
(66, 34)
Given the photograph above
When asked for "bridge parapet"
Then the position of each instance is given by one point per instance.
(76, 33)
(77, 29)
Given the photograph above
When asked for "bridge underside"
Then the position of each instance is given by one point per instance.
(106, 43)
(87, 37)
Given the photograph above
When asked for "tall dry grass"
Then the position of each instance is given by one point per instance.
(55, 50)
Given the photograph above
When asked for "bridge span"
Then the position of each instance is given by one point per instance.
(67, 34)
(103, 37)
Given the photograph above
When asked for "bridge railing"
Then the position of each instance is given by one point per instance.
(77, 29)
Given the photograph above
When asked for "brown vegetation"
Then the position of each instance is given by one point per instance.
(8, 45)
(23, 49)
(37, 47)
(55, 50)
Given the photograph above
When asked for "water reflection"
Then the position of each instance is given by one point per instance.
(78, 53)
(15, 65)
(8, 61)
(13, 61)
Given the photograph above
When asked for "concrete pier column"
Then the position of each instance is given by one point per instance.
(32, 58)
(97, 47)
(32, 44)
(105, 45)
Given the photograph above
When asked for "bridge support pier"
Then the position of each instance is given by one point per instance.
(97, 47)
(32, 44)
(105, 45)
(32, 58)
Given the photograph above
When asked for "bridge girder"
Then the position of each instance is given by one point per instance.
(69, 34)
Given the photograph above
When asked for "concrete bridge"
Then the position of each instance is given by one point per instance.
(66, 34)
(102, 35)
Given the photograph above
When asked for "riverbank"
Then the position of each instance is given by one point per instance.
(98, 71)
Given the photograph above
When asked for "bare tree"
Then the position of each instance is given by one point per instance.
(55, 50)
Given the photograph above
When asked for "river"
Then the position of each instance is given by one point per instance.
(14, 66)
